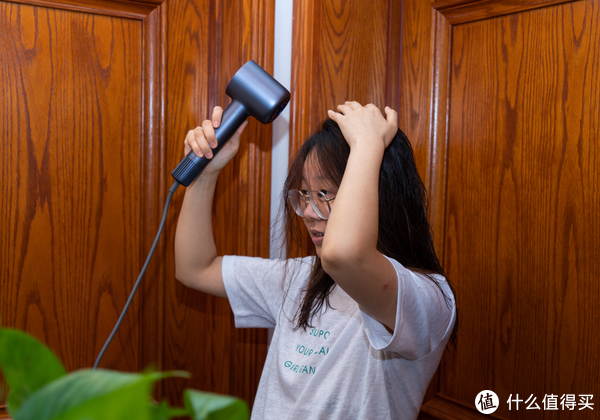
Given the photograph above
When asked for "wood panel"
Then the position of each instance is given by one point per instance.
(339, 55)
(133, 9)
(93, 137)
(465, 11)
(207, 46)
(79, 132)
(515, 189)
(414, 106)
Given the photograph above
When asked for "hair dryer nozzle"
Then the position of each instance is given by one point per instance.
(263, 97)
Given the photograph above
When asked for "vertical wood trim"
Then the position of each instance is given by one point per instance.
(213, 95)
(152, 313)
(438, 132)
(414, 106)
(259, 158)
(306, 36)
(394, 54)
(306, 40)
(435, 170)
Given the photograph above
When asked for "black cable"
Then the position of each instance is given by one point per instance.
(137, 283)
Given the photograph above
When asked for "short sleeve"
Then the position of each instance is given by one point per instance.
(424, 317)
(256, 287)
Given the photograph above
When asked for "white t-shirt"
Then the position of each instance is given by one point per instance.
(349, 366)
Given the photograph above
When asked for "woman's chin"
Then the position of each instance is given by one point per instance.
(318, 250)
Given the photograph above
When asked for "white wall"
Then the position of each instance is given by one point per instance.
(282, 71)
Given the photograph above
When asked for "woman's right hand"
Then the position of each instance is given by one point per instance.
(202, 140)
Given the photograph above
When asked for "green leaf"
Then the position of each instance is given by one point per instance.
(209, 406)
(92, 395)
(27, 365)
(162, 411)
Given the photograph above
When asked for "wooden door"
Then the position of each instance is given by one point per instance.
(514, 173)
(208, 41)
(80, 164)
(96, 99)
(339, 55)
(501, 101)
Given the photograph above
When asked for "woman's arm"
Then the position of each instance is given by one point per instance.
(349, 253)
(196, 262)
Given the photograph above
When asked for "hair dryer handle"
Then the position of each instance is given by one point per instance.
(191, 166)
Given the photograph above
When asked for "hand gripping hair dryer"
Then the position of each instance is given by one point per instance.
(254, 93)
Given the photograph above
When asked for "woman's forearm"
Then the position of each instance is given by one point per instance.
(196, 261)
(352, 228)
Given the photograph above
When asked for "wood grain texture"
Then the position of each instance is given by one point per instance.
(421, 86)
(88, 165)
(525, 267)
(82, 119)
(151, 315)
(306, 42)
(414, 106)
(341, 50)
(463, 11)
(339, 55)
(132, 9)
(521, 235)
(393, 54)
(437, 151)
(439, 408)
(210, 43)
(71, 179)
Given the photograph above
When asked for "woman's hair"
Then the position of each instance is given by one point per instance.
(404, 233)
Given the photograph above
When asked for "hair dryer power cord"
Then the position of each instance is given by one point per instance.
(142, 272)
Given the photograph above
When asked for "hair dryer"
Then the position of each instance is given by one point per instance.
(254, 93)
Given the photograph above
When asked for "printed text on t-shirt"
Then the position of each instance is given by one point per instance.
(308, 351)
(319, 333)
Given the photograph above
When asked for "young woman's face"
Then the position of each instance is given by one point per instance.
(312, 180)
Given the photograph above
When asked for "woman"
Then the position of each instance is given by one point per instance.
(361, 326)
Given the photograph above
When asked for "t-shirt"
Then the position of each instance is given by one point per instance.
(348, 366)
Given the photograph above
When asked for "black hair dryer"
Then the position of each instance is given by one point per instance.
(255, 93)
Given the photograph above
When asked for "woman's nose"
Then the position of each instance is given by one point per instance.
(310, 213)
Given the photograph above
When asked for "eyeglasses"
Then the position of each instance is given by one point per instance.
(318, 200)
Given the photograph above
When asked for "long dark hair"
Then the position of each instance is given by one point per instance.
(404, 232)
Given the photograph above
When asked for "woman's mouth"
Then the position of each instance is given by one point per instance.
(317, 238)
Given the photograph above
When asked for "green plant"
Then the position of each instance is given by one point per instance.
(41, 389)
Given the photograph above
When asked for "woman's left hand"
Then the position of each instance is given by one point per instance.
(365, 124)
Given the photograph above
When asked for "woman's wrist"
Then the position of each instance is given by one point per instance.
(368, 150)
(207, 179)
